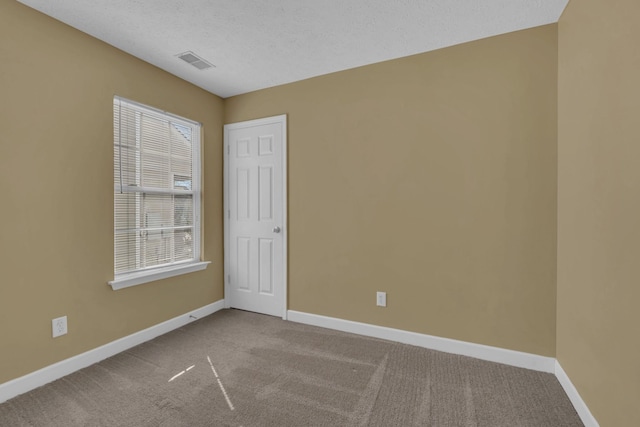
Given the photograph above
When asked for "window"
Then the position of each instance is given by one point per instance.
(156, 178)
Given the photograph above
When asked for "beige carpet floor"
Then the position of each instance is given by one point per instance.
(235, 368)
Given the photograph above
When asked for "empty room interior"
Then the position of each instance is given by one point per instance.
(487, 184)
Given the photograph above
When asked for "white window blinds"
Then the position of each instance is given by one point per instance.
(156, 182)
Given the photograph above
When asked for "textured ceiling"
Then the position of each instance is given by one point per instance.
(256, 44)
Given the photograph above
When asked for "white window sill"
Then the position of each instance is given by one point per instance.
(128, 280)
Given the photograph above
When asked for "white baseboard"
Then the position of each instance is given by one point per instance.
(479, 351)
(50, 373)
(581, 408)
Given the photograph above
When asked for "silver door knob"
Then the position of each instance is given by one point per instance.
(276, 229)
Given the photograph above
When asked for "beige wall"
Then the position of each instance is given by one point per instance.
(599, 206)
(56, 169)
(432, 178)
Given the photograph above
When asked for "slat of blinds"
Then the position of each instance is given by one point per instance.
(151, 190)
(147, 229)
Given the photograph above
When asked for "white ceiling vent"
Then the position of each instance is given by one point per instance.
(193, 59)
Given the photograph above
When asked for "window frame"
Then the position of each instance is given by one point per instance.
(174, 268)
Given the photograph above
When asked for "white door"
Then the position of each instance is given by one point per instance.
(255, 217)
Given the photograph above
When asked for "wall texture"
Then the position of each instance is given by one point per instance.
(599, 206)
(56, 160)
(432, 178)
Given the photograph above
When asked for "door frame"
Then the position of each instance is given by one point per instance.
(282, 120)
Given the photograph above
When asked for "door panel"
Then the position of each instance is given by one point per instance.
(265, 264)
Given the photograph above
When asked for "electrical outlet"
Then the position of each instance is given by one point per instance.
(59, 326)
(381, 299)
